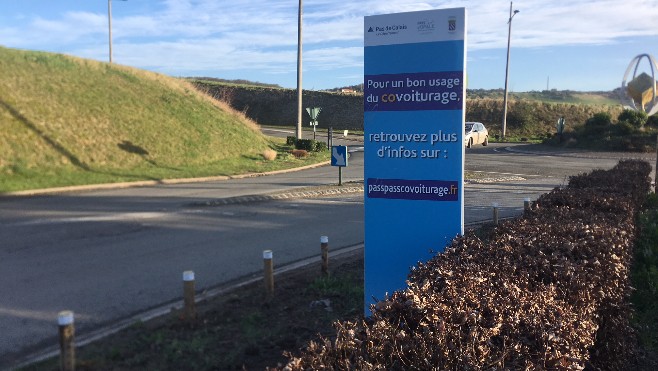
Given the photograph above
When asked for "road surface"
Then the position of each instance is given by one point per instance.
(111, 254)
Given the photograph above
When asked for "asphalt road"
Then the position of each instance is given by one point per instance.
(110, 254)
(539, 169)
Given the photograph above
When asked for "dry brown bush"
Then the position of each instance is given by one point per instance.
(299, 153)
(269, 155)
(546, 291)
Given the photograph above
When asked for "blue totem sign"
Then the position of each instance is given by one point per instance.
(414, 96)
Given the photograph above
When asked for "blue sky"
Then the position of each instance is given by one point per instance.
(577, 44)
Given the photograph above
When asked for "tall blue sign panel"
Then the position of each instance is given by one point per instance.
(414, 99)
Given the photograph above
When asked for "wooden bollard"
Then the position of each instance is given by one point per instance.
(324, 247)
(66, 340)
(526, 204)
(495, 213)
(188, 295)
(268, 271)
(655, 170)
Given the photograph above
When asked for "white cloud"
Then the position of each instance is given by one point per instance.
(548, 23)
(210, 35)
(331, 58)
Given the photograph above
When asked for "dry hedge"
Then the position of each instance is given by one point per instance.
(548, 290)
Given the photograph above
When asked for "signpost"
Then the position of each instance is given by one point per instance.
(414, 95)
(313, 113)
(339, 158)
(560, 128)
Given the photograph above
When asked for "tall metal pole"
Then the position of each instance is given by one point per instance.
(299, 71)
(509, 37)
(109, 22)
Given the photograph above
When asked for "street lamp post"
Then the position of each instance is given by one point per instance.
(509, 37)
(299, 71)
(109, 24)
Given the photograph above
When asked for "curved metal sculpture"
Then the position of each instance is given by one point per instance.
(640, 92)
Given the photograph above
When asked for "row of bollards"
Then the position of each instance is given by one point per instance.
(526, 207)
(268, 265)
(65, 319)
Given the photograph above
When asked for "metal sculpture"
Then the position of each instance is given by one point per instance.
(640, 92)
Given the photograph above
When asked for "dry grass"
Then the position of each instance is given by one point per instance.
(224, 104)
(299, 153)
(269, 155)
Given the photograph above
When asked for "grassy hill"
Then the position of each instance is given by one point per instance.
(67, 120)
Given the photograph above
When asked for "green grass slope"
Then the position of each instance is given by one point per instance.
(68, 121)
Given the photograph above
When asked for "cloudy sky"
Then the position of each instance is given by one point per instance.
(576, 44)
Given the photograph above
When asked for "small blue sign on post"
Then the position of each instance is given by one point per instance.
(339, 156)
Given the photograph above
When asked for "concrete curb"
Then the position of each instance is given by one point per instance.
(308, 192)
(148, 183)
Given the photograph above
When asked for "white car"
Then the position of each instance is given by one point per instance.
(475, 133)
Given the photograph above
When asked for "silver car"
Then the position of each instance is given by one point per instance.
(475, 133)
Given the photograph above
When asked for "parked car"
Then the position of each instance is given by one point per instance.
(475, 133)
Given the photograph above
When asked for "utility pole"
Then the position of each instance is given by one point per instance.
(109, 24)
(299, 71)
(509, 37)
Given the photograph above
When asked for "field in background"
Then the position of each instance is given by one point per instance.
(531, 115)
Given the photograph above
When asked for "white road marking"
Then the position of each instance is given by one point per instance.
(92, 218)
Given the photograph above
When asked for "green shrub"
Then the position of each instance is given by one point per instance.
(628, 134)
(645, 275)
(521, 117)
(305, 144)
(320, 146)
(291, 140)
(652, 122)
(624, 128)
(599, 119)
(596, 127)
(635, 118)
(310, 145)
(630, 143)
(531, 118)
